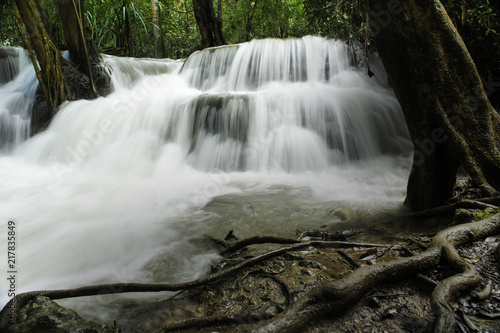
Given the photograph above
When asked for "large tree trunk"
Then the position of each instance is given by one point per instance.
(45, 56)
(158, 38)
(449, 117)
(77, 41)
(209, 25)
(60, 81)
(127, 29)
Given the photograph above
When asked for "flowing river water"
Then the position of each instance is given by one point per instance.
(264, 138)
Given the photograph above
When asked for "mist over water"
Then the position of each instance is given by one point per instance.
(263, 138)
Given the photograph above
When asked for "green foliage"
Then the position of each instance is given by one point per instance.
(180, 32)
(337, 19)
(108, 21)
(488, 212)
(9, 34)
(479, 24)
(244, 20)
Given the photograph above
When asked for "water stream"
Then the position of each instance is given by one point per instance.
(18, 85)
(264, 137)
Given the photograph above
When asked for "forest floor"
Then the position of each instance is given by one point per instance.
(270, 286)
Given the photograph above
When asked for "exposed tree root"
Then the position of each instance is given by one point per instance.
(326, 299)
(280, 240)
(468, 204)
(448, 288)
(210, 321)
(115, 288)
(257, 240)
(490, 200)
(335, 297)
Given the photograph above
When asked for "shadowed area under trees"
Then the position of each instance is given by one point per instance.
(447, 111)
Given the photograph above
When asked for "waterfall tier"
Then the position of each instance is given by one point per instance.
(264, 137)
(292, 105)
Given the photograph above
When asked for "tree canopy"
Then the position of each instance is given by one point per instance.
(243, 20)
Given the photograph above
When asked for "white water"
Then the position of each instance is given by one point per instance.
(262, 138)
(18, 85)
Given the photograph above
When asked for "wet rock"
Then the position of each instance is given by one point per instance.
(463, 216)
(276, 266)
(412, 324)
(339, 214)
(310, 264)
(306, 272)
(42, 315)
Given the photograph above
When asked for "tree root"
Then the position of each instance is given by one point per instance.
(257, 240)
(211, 321)
(332, 298)
(115, 288)
(447, 288)
(468, 204)
(326, 299)
(279, 240)
(490, 200)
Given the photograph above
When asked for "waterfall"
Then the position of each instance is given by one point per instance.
(269, 135)
(18, 85)
(293, 105)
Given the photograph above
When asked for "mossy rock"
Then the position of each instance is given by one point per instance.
(42, 315)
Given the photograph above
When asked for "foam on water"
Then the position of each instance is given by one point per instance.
(259, 136)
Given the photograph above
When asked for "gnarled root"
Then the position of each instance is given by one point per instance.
(334, 297)
(326, 299)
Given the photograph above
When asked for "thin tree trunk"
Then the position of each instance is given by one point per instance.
(158, 38)
(219, 11)
(210, 27)
(72, 12)
(128, 31)
(45, 56)
(448, 114)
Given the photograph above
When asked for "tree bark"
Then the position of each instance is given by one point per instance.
(45, 56)
(158, 38)
(59, 80)
(127, 30)
(209, 25)
(77, 40)
(449, 116)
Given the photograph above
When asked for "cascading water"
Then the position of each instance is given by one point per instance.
(262, 137)
(18, 85)
(294, 105)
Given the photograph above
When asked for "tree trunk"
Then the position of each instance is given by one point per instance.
(449, 116)
(59, 80)
(219, 11)
(127, 30)
(45, 56)
(210, 27)
(158, 38)
(77, 41)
